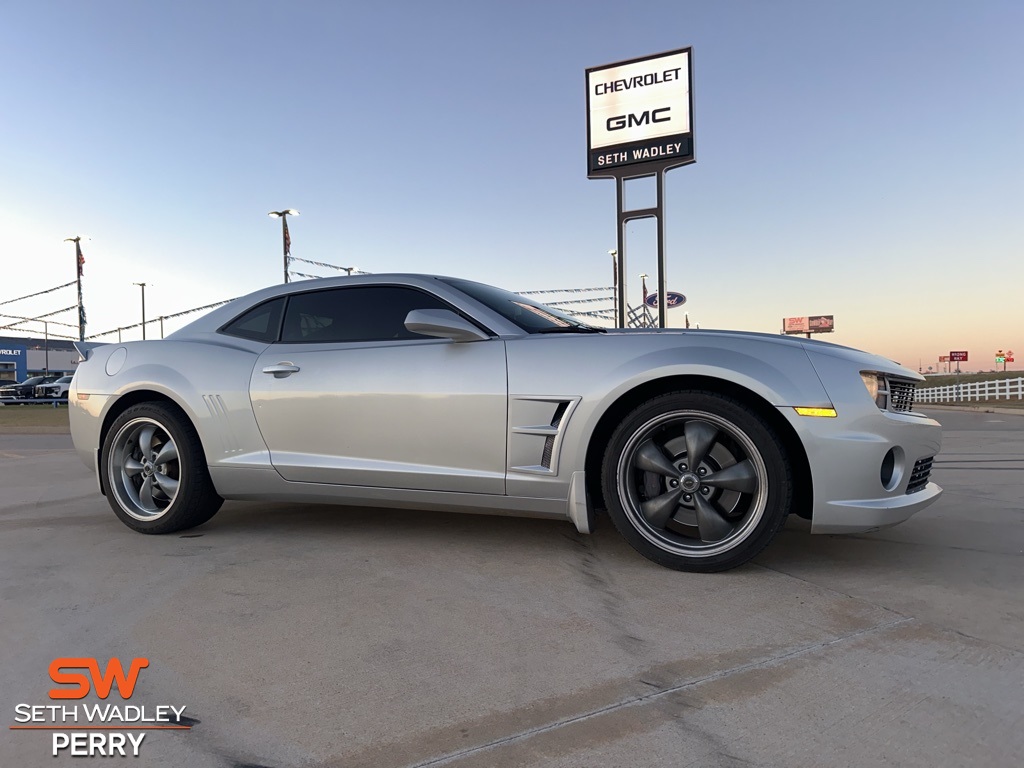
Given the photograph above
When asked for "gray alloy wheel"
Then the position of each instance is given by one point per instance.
(144, 469)
(696, 481)
(154, 470)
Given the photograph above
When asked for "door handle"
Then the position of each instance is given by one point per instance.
(281, 370)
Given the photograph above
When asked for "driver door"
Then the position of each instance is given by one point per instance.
(349, 396)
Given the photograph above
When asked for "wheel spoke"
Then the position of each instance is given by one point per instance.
(167, 484)
(146, 494)
(132, 467)
(168, 452)
(739, 477)
(700, 435)
(146, 441)
(712, 526)
(659, 510)
(650, 458)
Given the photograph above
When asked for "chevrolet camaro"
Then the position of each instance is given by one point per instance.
(436, 393)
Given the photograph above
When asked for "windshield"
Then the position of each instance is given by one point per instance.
(530, 315)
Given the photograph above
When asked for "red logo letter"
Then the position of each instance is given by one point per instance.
(102, 682)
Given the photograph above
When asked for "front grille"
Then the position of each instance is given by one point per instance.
(901, 395)
(919, 477)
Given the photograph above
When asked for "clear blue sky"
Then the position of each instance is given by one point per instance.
(860, 159)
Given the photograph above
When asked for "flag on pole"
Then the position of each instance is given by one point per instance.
(687, 319)
(643, 281)
(81, 258)
(287, 237)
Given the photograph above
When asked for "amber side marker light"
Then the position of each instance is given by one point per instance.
(828, 413)
(83, 396)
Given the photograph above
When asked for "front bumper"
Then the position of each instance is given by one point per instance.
(846, 455)
(857, 516)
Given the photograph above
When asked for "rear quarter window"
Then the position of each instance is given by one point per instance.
(261, 323)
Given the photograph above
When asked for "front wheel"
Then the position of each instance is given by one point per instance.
(154, 471)
(696, 481)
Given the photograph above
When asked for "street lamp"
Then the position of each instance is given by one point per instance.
(648, 315)
(286, 239)
(143, 287)
(79, 263)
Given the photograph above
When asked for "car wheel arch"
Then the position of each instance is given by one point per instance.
(627, 401)
(135, 397)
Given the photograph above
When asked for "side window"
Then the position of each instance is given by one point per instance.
(261, 323)
(360, 313)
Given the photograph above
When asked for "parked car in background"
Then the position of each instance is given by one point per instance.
(58, 389)
(26, 390)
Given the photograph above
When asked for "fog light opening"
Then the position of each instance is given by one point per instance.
(892, 468)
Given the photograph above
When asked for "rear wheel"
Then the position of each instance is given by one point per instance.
(696, 481)
(154, 471)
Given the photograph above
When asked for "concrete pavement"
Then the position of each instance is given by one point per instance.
(319, 636)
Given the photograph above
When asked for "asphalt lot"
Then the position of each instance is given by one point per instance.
(319, 636)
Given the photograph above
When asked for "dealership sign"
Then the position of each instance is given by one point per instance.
(640, 114)
(672, 299)
(810, 324)
(13, 362)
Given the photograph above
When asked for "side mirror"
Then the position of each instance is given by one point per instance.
(444, 324)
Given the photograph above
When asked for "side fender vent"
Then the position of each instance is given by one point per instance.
(538, 423)
(549, 442)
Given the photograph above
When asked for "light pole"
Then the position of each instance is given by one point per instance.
(143, 287)
(648, 317)
(79, 264)
(286, 238)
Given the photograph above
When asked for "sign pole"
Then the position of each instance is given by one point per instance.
(662, 268)
(620, 264)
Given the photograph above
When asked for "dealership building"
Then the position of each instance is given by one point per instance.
(22, 358)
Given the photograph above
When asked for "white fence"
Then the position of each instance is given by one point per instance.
(1001, 389)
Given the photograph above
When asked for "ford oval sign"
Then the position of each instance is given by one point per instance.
(672, 300)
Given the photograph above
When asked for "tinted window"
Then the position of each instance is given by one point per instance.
(530, 315)
(367, 313)
(260, 323)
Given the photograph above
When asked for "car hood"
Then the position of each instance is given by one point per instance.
(866, 360)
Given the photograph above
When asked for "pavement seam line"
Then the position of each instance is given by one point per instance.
(645, 698)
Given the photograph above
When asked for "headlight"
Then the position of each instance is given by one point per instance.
(876, 386)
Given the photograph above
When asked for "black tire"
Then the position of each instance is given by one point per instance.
(709, 517)
(154, 470)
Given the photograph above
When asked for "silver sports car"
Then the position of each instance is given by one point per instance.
(429, 392)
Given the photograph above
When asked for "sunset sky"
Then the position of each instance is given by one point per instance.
(858, 159)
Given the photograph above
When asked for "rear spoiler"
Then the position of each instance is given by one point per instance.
(86, 347)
